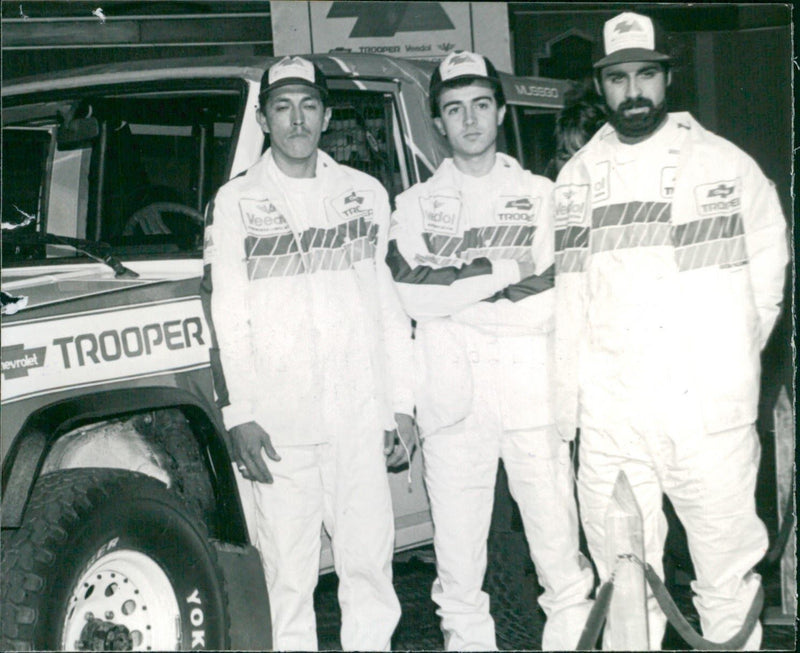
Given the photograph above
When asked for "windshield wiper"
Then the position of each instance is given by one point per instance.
(98, 251)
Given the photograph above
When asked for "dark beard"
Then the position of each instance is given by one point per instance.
(639, 125)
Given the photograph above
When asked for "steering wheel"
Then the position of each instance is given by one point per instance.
(149, 218)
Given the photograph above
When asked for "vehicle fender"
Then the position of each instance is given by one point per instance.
(113, 444)
(26, 458)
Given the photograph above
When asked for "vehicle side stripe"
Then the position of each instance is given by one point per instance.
(107, 381)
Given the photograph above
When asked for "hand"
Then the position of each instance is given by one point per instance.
(393, 449)
(246, 442)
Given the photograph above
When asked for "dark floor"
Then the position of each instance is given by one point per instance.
(518, 619)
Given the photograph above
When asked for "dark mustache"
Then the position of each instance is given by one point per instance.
(635, 103)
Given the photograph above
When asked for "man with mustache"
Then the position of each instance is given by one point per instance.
(310, 371)
(670, 259)
(471, 252)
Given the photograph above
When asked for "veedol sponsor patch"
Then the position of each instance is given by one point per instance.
(440, 214)
(570, 202)
(600, 181)
(719, 197)
(262, 218)
(517, 209)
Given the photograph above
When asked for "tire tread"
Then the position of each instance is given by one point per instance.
(58, 501)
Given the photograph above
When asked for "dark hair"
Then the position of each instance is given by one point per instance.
(583, 114)
(497, 90)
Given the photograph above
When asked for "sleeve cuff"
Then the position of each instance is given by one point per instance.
(235, 415)
(403, 403)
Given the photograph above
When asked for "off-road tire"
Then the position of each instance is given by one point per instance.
(77, 519)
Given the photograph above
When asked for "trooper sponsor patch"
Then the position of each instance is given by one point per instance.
(517, 209)
(440, 214)
(570, 202)
(718, 198)
(355, 204)
(262, 218)
(668, 181)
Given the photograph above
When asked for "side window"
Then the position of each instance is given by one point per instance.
(533, 129)
(129, 168)
(24, 172)
(164, 156)
(361, 135)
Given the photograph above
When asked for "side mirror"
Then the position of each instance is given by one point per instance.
(77, 132)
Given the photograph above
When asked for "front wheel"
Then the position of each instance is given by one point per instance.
(110, 560)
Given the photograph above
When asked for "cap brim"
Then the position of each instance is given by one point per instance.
(468, 78)
(630, 54)
(293, 81)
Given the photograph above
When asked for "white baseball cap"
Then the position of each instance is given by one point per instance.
(293, 70)
(631, 37)
(463, 65)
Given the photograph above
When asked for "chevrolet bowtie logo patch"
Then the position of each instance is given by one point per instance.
(16, 360)
(523, 204)
(721, 191)
(460, 58)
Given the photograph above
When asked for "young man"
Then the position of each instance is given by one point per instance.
(670, 257)
(305, 313)
(471, 253)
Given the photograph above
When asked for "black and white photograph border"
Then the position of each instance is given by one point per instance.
(66, 332)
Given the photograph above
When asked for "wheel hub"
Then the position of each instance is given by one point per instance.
(99, 635)
(123, 601)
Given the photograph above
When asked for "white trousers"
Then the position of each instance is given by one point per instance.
(460, 472)
(710, 480)
(344, 487)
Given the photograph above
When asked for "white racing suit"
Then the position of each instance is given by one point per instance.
(482, 352)
(670, 262)
(312, 345)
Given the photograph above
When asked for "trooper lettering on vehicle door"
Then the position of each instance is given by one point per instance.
(103, 346)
